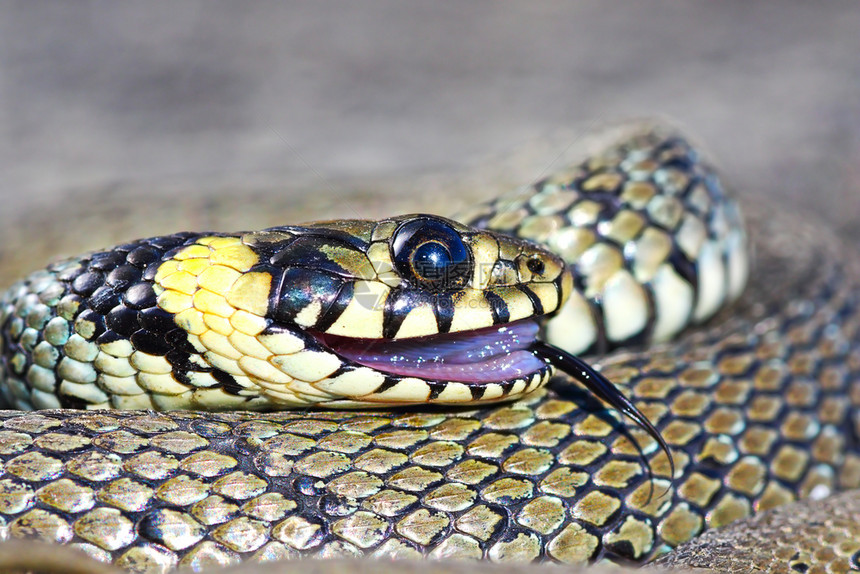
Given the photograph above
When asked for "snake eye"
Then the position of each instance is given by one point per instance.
(432, 253)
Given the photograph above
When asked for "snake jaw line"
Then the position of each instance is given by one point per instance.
(604, 390)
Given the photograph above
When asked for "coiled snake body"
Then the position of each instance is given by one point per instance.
(758, 410)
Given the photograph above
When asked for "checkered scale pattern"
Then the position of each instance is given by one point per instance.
(759, 410)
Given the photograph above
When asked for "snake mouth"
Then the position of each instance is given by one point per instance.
(480, 356)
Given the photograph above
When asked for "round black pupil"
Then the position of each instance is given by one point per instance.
(432, 253)
(431, 261)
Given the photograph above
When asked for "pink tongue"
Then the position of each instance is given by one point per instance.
(481, 356)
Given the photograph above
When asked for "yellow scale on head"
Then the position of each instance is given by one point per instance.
(222, 305)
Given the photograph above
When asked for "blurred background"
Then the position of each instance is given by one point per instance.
(114, 105)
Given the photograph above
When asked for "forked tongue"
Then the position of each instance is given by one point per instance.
(603, 388)
(480, 356)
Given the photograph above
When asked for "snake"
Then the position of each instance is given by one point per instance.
(413, 386)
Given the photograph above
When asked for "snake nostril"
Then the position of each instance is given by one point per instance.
(536, 265)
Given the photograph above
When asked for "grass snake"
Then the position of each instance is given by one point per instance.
(757, 407)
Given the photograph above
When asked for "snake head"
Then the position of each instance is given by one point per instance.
(415, 308)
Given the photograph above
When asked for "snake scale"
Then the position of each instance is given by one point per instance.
(758, 407)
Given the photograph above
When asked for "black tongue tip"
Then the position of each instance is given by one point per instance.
(602, 388)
